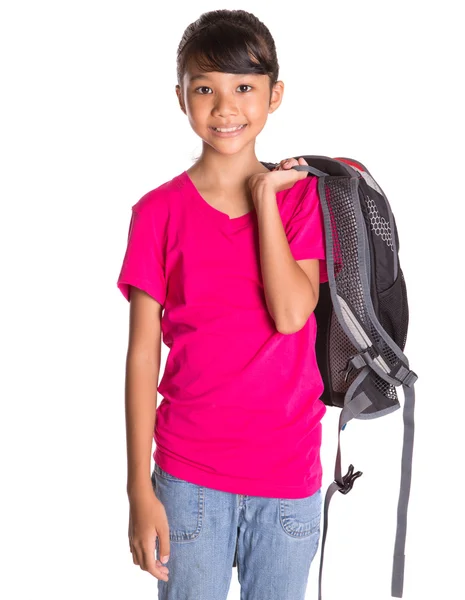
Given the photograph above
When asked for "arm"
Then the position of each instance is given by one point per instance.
(291, 287)
(142, 371)
(142, 282)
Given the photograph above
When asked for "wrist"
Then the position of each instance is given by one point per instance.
(262, 189)
(139, 487)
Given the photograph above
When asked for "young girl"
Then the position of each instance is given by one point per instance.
(233, 251)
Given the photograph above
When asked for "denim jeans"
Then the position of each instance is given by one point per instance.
(275, 539)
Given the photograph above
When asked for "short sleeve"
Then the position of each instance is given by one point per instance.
(305, 230)
(143, 265)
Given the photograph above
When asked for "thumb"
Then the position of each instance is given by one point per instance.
(163, 532)
(164, 547)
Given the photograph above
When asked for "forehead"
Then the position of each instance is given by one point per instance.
(195, 75)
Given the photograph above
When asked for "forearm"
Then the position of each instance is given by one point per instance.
(288, 291)
(140, 404)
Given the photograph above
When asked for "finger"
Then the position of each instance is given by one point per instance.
(135, 556)
(164, 543)
(149, 564)
(290, 162)
(163, 568)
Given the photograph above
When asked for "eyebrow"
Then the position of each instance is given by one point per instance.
(200, 76)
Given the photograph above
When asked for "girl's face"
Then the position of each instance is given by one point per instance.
(225, 100)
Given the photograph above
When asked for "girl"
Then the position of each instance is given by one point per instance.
(233, 251)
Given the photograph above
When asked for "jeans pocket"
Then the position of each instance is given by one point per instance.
(301, 517)
(183, 502)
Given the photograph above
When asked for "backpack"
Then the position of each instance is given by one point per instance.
(362, 322)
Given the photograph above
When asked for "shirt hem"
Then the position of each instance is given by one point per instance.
(234, 485)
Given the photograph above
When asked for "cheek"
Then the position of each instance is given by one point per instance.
(194, 106)
(256, 108)
(198, 113)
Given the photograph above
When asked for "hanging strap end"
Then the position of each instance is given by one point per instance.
(398, 576)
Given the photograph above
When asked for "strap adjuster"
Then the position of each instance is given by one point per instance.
(359, 360)
(406, 376)
(348, 480)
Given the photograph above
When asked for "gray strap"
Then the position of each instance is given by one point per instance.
(406, 376)
(352, 408)
(397, 583)
(329, 494)
(312, 170)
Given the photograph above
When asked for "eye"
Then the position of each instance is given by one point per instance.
(202, 87)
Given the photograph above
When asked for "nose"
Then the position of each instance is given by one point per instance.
(225, 105)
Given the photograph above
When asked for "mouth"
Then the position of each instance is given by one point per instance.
(228, 131)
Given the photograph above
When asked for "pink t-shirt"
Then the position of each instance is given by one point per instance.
(241, 408)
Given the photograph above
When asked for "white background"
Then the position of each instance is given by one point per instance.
(89, 123)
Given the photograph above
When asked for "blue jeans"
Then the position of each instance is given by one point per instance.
(275, 539)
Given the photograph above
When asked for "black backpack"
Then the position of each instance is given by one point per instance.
(362, 321)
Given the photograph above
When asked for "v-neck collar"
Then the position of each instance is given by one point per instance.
(224, 220)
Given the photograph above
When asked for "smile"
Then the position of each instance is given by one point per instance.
(228, 132)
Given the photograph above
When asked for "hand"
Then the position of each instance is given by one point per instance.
(282, 177)
(147, 520)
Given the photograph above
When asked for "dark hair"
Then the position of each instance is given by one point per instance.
(230, 41)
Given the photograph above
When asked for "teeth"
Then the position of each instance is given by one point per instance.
(227, 130)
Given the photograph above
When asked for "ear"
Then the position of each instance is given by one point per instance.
(180, 98)
(276, 96)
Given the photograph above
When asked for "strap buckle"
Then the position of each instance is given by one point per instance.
(359, 360)
(406, 376)
(348, 480)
